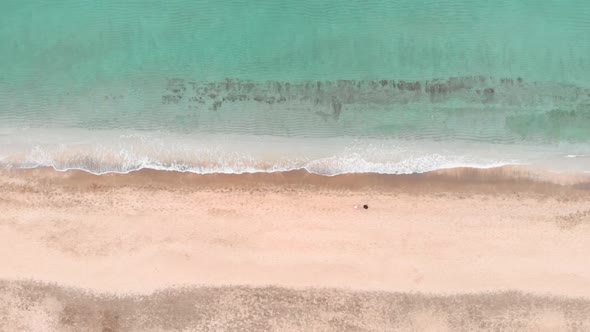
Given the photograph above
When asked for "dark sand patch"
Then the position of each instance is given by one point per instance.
(27, 306)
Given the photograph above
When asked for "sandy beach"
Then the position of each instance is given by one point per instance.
(205, 166)
(441, 234)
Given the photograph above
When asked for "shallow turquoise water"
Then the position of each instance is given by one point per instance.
(84, 42)
(513, 74)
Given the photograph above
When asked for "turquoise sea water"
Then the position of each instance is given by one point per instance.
(332, 86)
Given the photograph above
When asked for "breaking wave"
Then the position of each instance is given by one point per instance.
(107, 153)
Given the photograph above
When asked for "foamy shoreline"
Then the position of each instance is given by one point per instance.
(119, 151)
(461, 176)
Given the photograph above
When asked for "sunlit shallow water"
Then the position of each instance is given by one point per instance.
(329, 86)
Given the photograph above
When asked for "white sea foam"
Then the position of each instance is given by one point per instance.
(100, 161)
(101, 152)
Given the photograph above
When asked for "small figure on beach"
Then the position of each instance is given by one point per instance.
(365, 206)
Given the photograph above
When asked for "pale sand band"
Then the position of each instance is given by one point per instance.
(445, 233)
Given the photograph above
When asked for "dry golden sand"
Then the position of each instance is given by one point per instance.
(105, 243)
